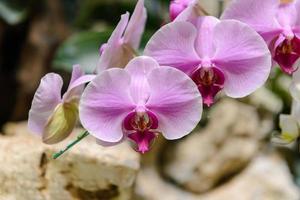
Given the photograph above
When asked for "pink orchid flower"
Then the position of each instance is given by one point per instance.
(218, 55)
(124, 41)
(278, 23)
(51, 116)
(138, 103)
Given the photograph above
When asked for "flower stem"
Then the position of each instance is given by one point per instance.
(298, 144)
(79, 138)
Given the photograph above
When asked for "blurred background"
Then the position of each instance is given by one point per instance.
(229, 156)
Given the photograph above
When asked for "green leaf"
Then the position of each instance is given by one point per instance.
(81, 48)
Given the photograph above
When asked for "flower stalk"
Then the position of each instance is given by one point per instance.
(79, 138)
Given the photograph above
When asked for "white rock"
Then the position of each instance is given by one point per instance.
(225, 146)
(87, 171)
(266, 99)
(266, 178)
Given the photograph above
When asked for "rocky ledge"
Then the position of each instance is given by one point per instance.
(88, 171)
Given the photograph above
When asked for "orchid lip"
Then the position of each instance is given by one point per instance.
(140, 127)
(210, 81)
(143, 140)
(287, 54)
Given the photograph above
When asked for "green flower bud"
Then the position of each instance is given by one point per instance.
(61, 123)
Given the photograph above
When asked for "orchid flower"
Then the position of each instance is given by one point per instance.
(124, 41)
(51, 116)
(290, 124)
(278, 22)
(140, 102)
(218, 55)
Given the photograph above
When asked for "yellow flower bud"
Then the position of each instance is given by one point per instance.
(61, 123)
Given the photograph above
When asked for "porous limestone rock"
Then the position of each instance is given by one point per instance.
(265, 99)
(224, 147)
(86, 172)
(267, 177)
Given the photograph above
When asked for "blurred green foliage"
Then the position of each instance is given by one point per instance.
(81, 48)
(13, 12)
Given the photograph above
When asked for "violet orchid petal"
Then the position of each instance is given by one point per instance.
(244, 58)
(297, 6)
(76, 86)
(174, 45)
(45, 100)
(204, 42)
(105, 103)
(76, 74)
(175, 9)
(260, 15)
(191, 12)
(287, 15)
(136, 26)
(138, 68)
(109, 144)
(113, 54)
(175, 100)
(75, 91)
(261, 12)
(179, 6)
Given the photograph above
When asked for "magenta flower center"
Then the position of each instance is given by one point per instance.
(287, 53)
(141, 129)
(210, 80)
